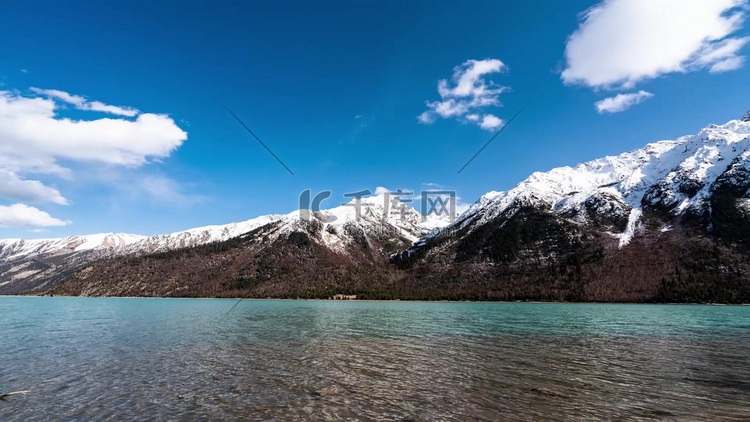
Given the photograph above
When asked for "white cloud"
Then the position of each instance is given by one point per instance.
(622, 42)
(20, 215)
(432, 185)
(133, 187)
(490, 122)
(63, 96)
(106, 108)
(427, 117)
(35, 139)
(12, 187)
(726, 65)
(82, 103)
(621, 102)
(466, 94)
(362, 122)
(164, 189)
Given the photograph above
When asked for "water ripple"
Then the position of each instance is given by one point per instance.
(138, 359)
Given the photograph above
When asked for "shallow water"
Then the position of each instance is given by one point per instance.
(174, 359)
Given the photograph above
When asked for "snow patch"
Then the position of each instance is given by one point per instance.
(676, 174)
(23, 274)
(632, 227)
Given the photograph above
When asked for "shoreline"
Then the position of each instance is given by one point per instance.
(384, 300)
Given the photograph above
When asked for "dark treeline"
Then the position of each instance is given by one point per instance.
(528, 254)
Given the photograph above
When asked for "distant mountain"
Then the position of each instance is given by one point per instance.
(34, 265)
(302, 254)
(667, 222)
(28, 265)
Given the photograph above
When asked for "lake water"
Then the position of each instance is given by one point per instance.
(174, 359)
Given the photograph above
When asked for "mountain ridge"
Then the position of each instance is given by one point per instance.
(666, 222)
(29, 263)
(658, 223)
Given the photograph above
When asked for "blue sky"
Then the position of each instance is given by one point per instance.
(336, 90)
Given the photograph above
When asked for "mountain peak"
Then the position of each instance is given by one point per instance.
(678, 176)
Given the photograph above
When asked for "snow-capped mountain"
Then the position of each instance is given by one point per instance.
(374, 215)
(666, 222)
(669, 221)
(301, 254)
(193, 237)
(105, 242)
(678, 176)
(24, 262)
(39, 263)
(111, 244)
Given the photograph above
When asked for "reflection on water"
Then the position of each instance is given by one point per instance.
(147, 359)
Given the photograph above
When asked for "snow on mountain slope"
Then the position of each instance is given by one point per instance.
(196, 236)
(674, 175)
(376, 216)
(15, 248)
(110, 244)
(341, 219)
(27, 265)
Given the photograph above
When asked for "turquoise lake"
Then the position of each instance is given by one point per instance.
(92, 359)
